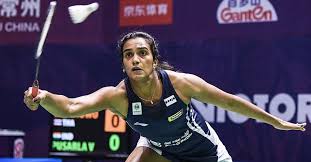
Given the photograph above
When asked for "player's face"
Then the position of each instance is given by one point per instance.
(137, 58)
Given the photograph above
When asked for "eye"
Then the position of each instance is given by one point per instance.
(143, 52)
(128, 54)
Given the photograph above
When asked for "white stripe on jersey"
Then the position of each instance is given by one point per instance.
(223, 155)
(196, 127)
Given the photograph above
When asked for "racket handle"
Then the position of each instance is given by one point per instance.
(35, 88)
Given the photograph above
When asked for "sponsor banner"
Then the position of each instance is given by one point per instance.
(245, 11)
(290, 108)
(205, 19)
(19, 17)
(151, 12)
(21, 22)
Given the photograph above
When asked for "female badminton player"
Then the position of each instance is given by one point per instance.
(155, 102)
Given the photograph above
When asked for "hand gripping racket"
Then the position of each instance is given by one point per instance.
(47, 23)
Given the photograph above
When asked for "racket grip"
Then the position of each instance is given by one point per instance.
(35, 88)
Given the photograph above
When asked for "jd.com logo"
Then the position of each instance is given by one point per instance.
(245, 11)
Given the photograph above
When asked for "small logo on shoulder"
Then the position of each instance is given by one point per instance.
(137, 108)
(170, 100)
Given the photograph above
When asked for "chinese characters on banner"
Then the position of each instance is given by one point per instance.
(151, 12)
(19, 16)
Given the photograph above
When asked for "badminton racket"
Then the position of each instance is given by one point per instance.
(44, 32)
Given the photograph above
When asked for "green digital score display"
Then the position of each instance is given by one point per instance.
(96, 135)
(114, 142)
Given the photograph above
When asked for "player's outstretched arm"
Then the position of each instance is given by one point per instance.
(65, 107)
(202, 91)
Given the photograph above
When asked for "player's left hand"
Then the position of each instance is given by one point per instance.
(284, 125)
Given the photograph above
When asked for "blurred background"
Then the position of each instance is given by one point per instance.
(257, 49)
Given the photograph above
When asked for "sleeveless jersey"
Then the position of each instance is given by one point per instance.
(175, 128)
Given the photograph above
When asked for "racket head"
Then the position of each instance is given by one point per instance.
(45, 28)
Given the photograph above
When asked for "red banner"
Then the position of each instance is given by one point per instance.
(141, 12)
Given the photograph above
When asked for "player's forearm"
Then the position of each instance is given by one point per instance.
(250, 110)
(57, 105)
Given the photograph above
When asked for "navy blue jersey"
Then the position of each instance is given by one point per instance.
(172, 126)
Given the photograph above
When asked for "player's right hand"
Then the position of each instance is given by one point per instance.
(33, 103)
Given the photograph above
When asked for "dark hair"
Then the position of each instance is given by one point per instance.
(152, 43)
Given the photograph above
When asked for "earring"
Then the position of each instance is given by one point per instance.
(123, 70)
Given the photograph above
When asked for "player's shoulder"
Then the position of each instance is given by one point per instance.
(179, 77)
(174, 74)
(181, 83)
(119, 99)
(112, 91)
(120, 89)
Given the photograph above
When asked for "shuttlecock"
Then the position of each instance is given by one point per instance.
(79, 13)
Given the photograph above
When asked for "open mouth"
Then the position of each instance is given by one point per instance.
(136, 69)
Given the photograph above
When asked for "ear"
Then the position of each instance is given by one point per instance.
(123, 69)
(155, 63)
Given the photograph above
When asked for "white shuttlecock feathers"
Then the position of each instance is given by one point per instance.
(78, 13)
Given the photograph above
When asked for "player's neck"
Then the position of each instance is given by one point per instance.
(147, 89)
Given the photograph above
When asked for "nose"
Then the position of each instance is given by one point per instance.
(135, 59)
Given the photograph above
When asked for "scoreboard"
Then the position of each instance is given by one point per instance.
(96, 135)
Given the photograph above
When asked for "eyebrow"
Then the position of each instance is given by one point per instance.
(129, 49)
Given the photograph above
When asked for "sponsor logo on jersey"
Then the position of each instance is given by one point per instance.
(174, 142)
(170, 100)
(141, 124)
(245, 11)
(157, 144)
(137, 108)
(175, 116)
